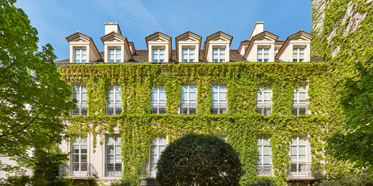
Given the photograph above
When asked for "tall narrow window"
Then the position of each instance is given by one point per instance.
(264, 156)
(114, 104)
(79, 154)
(219, 100)
(115, 55)
(218, 54)
(188, 54)
(80, 94)
(264, 100)
(263, 54)
(299, 166)
(158, 101)
(80, 55)
(158, 54)
(188, 104)
(299, 100)
(157, 147)
(298, 54)
(113, 156)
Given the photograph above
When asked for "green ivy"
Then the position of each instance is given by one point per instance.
(138, 126)
(341, 46)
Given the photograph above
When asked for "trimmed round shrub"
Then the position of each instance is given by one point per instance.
(198, 159)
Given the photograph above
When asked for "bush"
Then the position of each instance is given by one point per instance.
(60, 182)
(129, 182)
(16, 181)
(363, 179)
(262, 181)
(197, 159)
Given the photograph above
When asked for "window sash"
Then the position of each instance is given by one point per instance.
(80, 55)
(264, 143)
(115, 55)
(113, 149)
(114, 100)
(219, 99)
(158, 55)
(300, 100)
(158, 100)
(156, 148)
(79, 154)
(218, 54)
(188, 54)
(299, 54)
(299, 149)
(80, 94)
(263, 54)
(264, 100)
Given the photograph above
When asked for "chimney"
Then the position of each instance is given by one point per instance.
(258, 28)
(112, 26)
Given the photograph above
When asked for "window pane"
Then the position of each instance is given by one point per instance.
(84, 150)
(302, 139)
(215, 88)
(184, 88)
(84, 51)
(75, 149)
(161, 51)
(153, 159)
(153, 150)
(118, 150)
(118, 96)
(192, 96)
(222, 96)
(162, 140)
(215, 96)
(259, 150)
(118, 158)
(84, 96)
(266, 150)
(266, 50)
(110, 150)
(267, 159)
(76, 158)
(117, 139)
(266, 140)
(161, 149)
(162, 95)
(302, 159)
(267, 96)
(302, 150)
(294, 140)
(293, 150)
(154, 95)
(110, 159)
(302, 96)
(223, 88)
(192, 88)
(111, 96)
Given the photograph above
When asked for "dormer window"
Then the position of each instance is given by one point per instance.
(218, 54)
(80, 55)
(298, 54)
(263, 54)
(188, 54)
(115, 55)
(158, 54)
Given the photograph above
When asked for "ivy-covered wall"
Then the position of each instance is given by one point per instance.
(343, 36)
(138, 126)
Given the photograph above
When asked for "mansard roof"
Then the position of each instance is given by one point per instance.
(264, 34)
(300, 34)
(187, 35)
(218, 34)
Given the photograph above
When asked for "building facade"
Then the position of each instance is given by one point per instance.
(268, 99)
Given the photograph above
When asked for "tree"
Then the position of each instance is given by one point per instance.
(356, 144)
(198, 159)
(32, 95)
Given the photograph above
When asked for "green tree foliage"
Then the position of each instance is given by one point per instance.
(32, 95)
(262, 181)
(356, 145)
(199, 159)
(363, 179)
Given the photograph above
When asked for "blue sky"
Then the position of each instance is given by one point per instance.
(56, 19)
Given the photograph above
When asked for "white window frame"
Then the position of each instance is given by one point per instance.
(117, 51)
(80, 103)
(116, 109)
(156, 143)
(82, 169)
(298, 105)
(186, 103)
(156, 103)
(114, 145)
(300, 166)
(261, 50)
(221, 107)
(188, 53)
(298, 59)
(156, 50)
(276, 50)
(261, 145)
(260, 102)
(220, 51)
(80, 52)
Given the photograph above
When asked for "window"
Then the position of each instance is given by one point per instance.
(188, 104)
(114, 55)
(188, 54)
(219, 100)
(80, 94)
(158, 54)
(80, 56)
(298, 54)
(299, 166)
(218, 54)
(264, 156)
(158, 101)
(157, 147)
(263, 54)
(299, 101)
(79, 156)
(114, 103)
(264, 100)
(113, 156)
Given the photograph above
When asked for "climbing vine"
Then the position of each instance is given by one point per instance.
(343, 36)
(138, 126)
